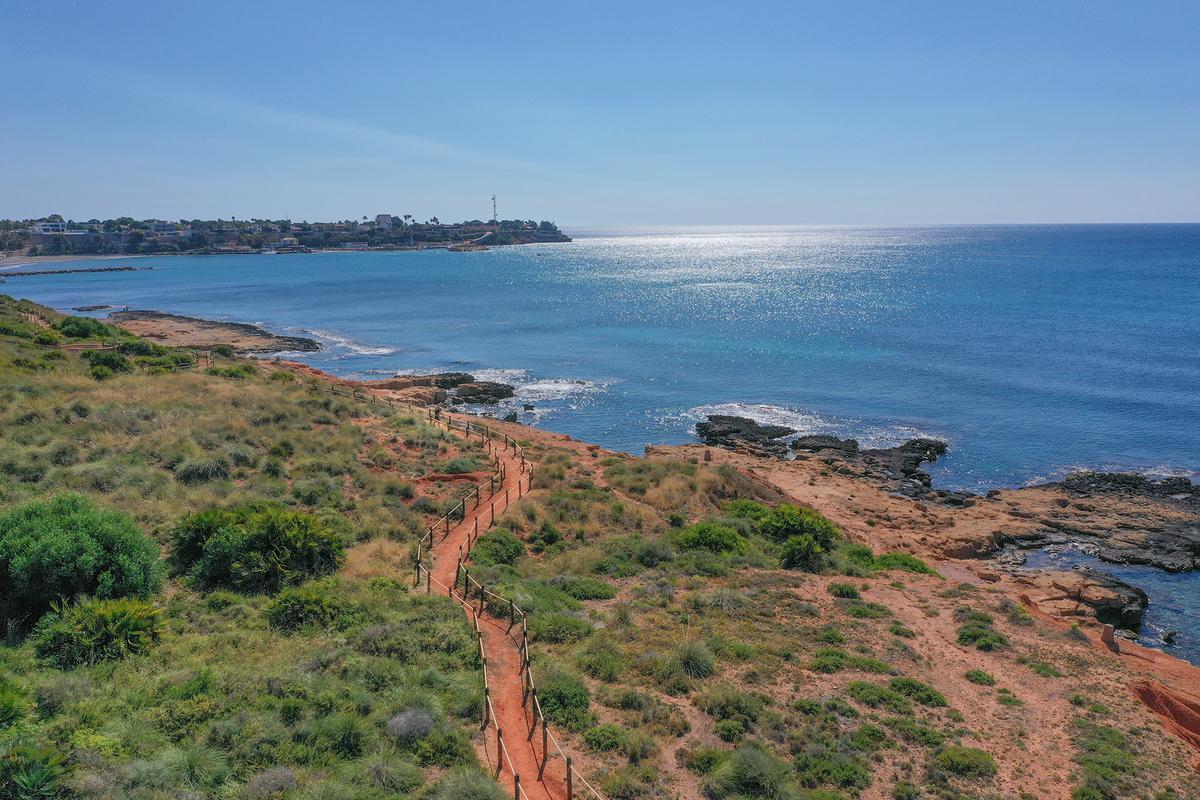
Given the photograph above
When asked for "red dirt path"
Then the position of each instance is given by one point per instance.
(503, 653)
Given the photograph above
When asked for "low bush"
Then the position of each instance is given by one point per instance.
(564, 698)
(1106, 759)
(85, 328)
(466, 783)
(903, 561)
(497, 546)
(584, 588)
(725, 702)
(918, 692)
(202, 470)
(963, 762)
(710, 536)
(802, 552)
(980, 677)
(786, 521)
(68, 546)
(846, 591)
(876, 696)
(976, 629)
(694, 660)
(751, 772)
(460, 465)
(605, 738)
(316, 604)
(559, 628)
(254, 550)
(97, 630)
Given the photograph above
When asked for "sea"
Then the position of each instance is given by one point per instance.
(1031, 350)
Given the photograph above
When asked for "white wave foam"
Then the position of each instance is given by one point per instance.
(1157, 472)
(337, 341)
(500, 375)
(807, 423)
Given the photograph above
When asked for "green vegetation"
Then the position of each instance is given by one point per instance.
(980, 677)
(259, 673)
(95, 631)
(964, 762)
(69, 546)
(254, 549)
(1106, 759)
(976, 629)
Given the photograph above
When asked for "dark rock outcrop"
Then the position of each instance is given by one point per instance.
(721, 430)
(483, 392)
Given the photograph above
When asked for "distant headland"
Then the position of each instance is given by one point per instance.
(56, 236)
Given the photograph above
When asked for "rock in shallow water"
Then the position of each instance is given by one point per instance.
(722, 430)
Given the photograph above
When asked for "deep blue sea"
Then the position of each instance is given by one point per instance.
(1032, 350)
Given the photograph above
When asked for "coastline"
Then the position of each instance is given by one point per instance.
(988, 533)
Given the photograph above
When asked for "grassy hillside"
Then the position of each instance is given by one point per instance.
(203, 592)
(343, 685)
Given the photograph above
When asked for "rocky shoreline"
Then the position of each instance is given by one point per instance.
(1122, 518)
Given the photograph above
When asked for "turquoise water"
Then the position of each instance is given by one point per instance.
(1032, 350)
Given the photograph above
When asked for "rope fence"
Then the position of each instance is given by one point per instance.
(476, 598)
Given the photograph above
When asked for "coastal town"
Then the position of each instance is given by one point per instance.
(53, 235)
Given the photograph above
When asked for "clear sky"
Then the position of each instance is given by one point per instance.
(604, 113)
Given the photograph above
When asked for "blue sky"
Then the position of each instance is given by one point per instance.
(604, 113)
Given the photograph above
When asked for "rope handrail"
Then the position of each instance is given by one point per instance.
(524, 484)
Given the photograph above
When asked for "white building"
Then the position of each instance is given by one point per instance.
(48, 228)
(167, 230)
(383, 221)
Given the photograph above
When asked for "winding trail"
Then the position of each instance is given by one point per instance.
(522, 741)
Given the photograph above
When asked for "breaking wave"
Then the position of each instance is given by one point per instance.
(807, 423)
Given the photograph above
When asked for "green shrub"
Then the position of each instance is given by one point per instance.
(846, 591)
(237, 373)
(876, 696)
(67, 546)
(466, 783)
(981, 634)
(725, 702)
(915, 732)
(460, 465)
(751, 772)
(564, 698)
(109, 359)
(317, 604)
(786, 521)
(601, 658)
(918, 692)
(746, 509)
(980, 677)
(730, 730)
(834, 659)
(828, 767)
(584, 588)
(802, 552)
(12, 704)
(85, 328)
(559, 628)
(29, 772)
(903, 561)
(868, 610)
(1107, 760)
(202, 470)
(254, 550)
(964, 762)
(97, 630)
(498, 546)
(710, 536)
(605, 738)
(694, 660)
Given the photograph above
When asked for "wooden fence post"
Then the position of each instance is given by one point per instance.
(545, 752)
(499, 750)
(570, 781)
